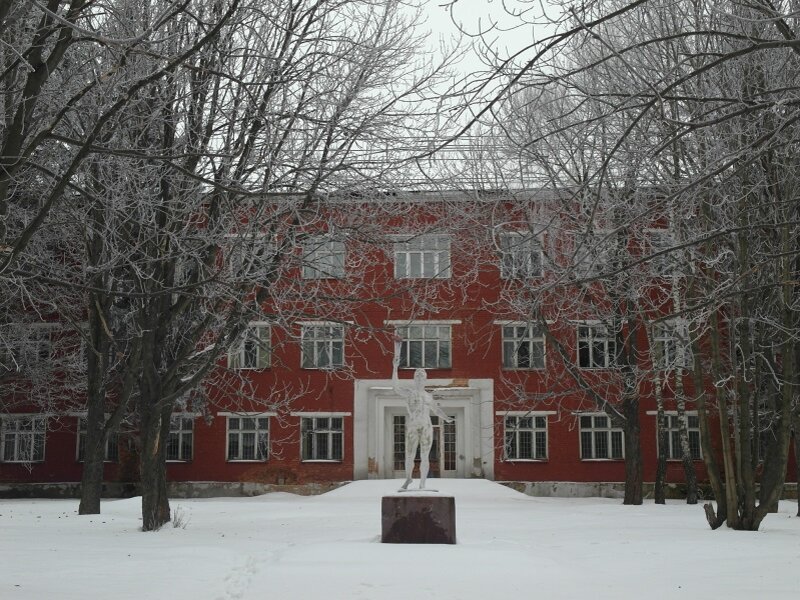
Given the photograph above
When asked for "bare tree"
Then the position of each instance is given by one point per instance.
(693, 103)
(214, 184)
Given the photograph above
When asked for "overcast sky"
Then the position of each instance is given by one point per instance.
(505, 32)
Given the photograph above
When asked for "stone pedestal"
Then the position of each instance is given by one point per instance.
(418, 519)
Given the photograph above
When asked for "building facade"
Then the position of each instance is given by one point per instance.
(320, 405)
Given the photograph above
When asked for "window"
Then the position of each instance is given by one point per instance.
(251, 256)
(322, 438)
(659, 242)
(425, 346)
(599, 439)
(8, 357)
(667, 348)
(521, 256)
(188, 274)
(597, 348)
(111, 453)
(593, 253)
(253, 350)
(27, 346)
(323, 258)
(526, 438)
(423, 256)
(248, 438)
(322, 346)
(674, 437)
(523, 346)
(23, 438)
(180, 441)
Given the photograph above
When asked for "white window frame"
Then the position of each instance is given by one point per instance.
(183, 268)
(29, 346)
(324, 257)
(591, 261)
(607, 432)
(425, 335)
(259, 428)
(321, 343)
(668, 350)
(658, 240)
(111, 452)
(531, 335)
(10, 426)
(83, 333)
(521, 255)
(238, 356)
(239, 247)
(425, 256)
(179, 431)
(318, 440)
(539, 425)
(673, 435)
(598, 333)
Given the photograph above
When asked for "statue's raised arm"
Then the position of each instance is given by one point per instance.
(401, 389)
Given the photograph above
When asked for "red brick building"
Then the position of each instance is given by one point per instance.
(325, 409)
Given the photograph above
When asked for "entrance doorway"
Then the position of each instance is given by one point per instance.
(379, 438)
(447, 453)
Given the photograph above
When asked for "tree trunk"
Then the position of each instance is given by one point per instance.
(93, 462)
(797, 457)
(686, 455)
(153, 471)
(633, 453)
(731, 485)
(95, 440)
(777, 458)
(661, 434)
(715, 520)
(689, 472)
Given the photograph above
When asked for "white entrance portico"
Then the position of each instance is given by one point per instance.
(464, 448)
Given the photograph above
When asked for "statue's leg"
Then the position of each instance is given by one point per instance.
(412, 441)
(425, 443)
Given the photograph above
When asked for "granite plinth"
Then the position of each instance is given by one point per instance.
(418, 519)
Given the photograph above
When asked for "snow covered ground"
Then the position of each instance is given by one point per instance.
(283, 546)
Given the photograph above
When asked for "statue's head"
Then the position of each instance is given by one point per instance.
(420, 377)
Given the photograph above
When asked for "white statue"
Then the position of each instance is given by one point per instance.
(419, 431)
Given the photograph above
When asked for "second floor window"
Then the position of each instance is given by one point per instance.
(180, 441)
(322, 346)
(323, 258)
(422, 256)
(521, 256)
(593, 253)
(251, 256)
(22, 439)
(666, 346)
(425, 346)
(26, 347)
(523, 346)
(660, 245)
(253, 351)
(597, 347)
